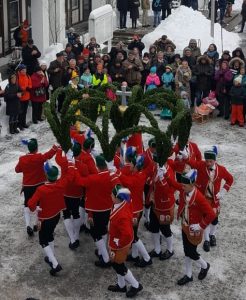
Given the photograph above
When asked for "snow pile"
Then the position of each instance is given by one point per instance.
(184, 24)
(50, 52)
(237, 6)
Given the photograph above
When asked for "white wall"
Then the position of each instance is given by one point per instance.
(98, 3)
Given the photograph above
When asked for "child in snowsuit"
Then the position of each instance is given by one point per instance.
(168, 78)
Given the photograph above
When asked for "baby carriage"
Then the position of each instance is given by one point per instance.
(15, 59)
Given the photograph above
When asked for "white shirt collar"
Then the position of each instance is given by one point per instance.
(116, 206)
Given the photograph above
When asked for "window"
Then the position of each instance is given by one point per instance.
(75, 4)
(14, 14)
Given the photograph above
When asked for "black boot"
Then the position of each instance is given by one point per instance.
(184, 280)
(29, 231)
(206, 246)
(53, 271)
(166, 255)
(117, 288)
(152, 253)
(132, 292)
(15, 128)
(143, 263)
(212, 240)
(203, 273)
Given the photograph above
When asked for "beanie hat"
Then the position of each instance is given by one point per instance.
(153, 69)
(190, 177)
(211, 154)
(51, 171)
(131, 153)
(21, 67)
(101, 162)
(121, 193)
(25, 23)
(152, 143)
(76, 149)
(43, 63)
(169, 67)
(89, 143)
(31, 144)
(86, 51)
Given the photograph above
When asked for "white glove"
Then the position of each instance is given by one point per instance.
(221, 194)
(69, 155)
(88, 133)
(184, 154)
(161, 172)
(195, 227)
(174, 141)
(112, 169)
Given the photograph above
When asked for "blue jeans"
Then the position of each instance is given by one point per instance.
(157, 18)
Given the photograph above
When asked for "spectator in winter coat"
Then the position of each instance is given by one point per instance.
(187, 55)
(93, 46)
(21, 34)
(145, 4)
(86, 79)
(43, 66)
(238, 97)
(203, 71)
(25, 83)
(136, 43)
(118, 48)
(146, 68)
(166, 8)
(195, 50)
(177, 62)
(56, 71)
(133, 68)
(30, 55)
(99, 78)
(152, 81)
(68, 52)
(133, 6)
(182, 78)
(162, 43)
(156, 7)
(160, 64)
(77, 47)
(238, 52)
(38, 94)
(235, 65)
(168, 78)
(223, 78)
(225, 56)
(212, 54)
(12, 97)
(152, 53)
(122, 6)
(72, 67)
(222, 7)
(169, 54)
(243, 13)
(117, 72)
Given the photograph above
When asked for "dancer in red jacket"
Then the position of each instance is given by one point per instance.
(32, 167)
(120, 239)
(50, 198)
(209, 182)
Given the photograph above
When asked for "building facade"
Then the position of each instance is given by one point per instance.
(48, 19)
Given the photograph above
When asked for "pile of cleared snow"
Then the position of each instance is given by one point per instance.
(50, 52)
(237, 6)
(184, 24)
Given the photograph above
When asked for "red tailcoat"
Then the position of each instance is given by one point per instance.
(32, 167)
(120, 227)
(50, 196)
(135, 140)
(88, 159)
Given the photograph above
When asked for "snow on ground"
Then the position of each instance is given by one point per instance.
(23, 273)
(191, 25)
(237, 6)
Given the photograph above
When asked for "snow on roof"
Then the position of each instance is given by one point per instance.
(184, 24)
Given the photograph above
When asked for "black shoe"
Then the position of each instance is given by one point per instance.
(226, 117)
(117, 288)
(101, 264)
(21, 127)
(82, 228)
(16, 130)
(184, 280)
(74, 245)
(35, 228)
(213, 242)
(154, 254)
(143, 263)
(133, 259)
(206, 246)
(29, 231)
(41, 120)
(87, 230)
(220, 115)
(46, 259)
(146, 225)
(25, 126)
(53, 271)
(166, 255)
(35, 122)
(132, 292)
(203, 273)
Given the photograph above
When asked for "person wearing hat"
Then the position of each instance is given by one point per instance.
(50, 199)
(98, 204)
(130, 156)
(195, 214)
(78, 47)
(86, 155)
(38, 94)
(152, 80)
(133, 68)
(209, 182)
(30, 55)
(168, 78)
(120, 239)
(136, 140)
(73, 195)
(238, 96)
(12, 96)
(25, 83)
(162, 43)
(31, 166)
(135, 182)
(21, 34)
(136, 43)
(56, 71)
(93, 46)
(177, 62)
(99, 78)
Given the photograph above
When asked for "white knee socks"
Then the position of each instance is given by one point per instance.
(70, 230)
(201, 262)
(48, 252)
(156, 241)
(142, 250)
(121, 281)
(206, 233)
(170, 243)
(213, 229)
(27, 216)
(134, 250)
(131, 279)
(146, 214)
(76, 225)
(82, 215)
(102, 250)
(188, 266)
